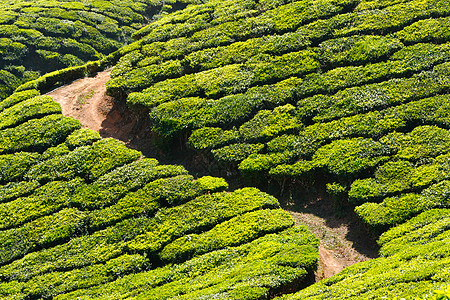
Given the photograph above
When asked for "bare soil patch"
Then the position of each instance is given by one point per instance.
(86, 100)
(344, 240)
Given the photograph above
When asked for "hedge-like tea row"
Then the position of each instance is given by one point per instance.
(229, 79)
(238, 230)
(45, 200)
(191, 113)
(398, 176)
(41, 232)
(356, 90)
(198, 215)
(87, 161)
(271, 19)
(229, 32)
(355, 49)
(250, 270)
(344, 104)
(147, 200)
(394, 210)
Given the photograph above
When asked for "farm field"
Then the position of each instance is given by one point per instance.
(348, 98)
(41, 36)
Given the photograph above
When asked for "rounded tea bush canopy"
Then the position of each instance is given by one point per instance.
(350, 94)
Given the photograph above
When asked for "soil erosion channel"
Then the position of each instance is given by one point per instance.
(86, 100)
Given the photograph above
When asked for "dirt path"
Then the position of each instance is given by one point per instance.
(336, 251)
(86, 100)
(329, 265)
(343, 241)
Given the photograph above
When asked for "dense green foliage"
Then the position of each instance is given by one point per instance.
(42, 36)
(82, 216)
(352, 91)
(355, 92)
(414, 262)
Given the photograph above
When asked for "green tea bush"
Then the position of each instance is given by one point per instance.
(428, 225)
(14, 190)
(41, 232)
(53, 152)
(226, 80)
(14, 166)
(265, 125)
(353, 92)
(233, 232)
(229, 271)
(82, 137)
(18, 97)
(78, 252)
(55, 283)
(366, 98)
(236, 152)
(110, 187)
(414, 263)
(37, 134)
(192, 113)
(256, 165)
(399, 176)
(350, 156)
(49, 35)
(175, 116)
(161, 192)
(357, 49)
(369, 111)
(36, 107)
(241, 52)
(89, 162)
(45, 200)
(394, 210)
(426, 31)
(199, 214)
(170, 42)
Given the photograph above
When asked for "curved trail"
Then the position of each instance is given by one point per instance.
(86, 100)
(343, 239)
(328, 264)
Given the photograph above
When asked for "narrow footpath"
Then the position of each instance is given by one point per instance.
(343, 242)
(86, 100)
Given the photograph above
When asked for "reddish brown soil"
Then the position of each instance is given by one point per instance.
(86, 100)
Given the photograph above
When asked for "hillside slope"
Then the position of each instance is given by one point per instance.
(41, 36)
(85, 217)
(351, 92)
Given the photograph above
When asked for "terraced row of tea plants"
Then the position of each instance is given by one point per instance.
(46, 35)
(87, 218)
(354, 91)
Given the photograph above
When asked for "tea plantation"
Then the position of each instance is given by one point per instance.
(353, 94)
(86, 217)
(46, 35)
